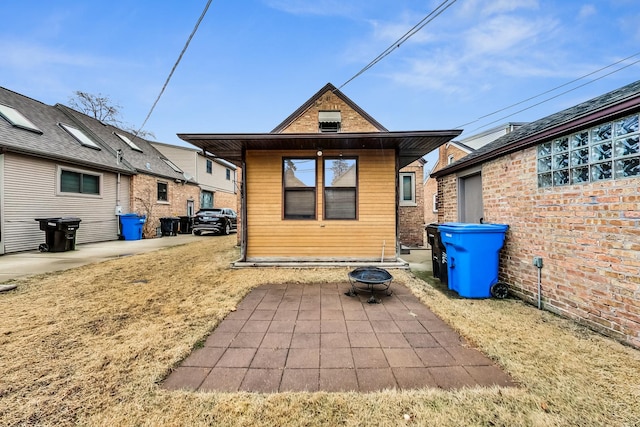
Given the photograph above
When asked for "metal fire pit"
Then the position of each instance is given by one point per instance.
(369, 279)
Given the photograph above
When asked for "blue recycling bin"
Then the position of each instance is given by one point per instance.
(473, 256)
(131, 226)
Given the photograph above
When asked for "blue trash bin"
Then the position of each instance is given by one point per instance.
(473, 256)
(131, 226)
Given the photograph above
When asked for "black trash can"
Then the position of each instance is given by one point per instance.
(60, 233)
(186, 224)
(169, 225)
(438, 253)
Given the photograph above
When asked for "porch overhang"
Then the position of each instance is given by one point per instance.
(410, 145)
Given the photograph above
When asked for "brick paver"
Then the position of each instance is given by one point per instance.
(297, 337)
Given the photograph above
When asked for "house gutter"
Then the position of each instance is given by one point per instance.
(607, 113)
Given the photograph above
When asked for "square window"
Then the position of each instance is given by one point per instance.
(627, 125)
(601, 171)
(163, 193)
(627, 146)
(626, 168)
(329, 121)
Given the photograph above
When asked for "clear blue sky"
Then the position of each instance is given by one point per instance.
(253, 62)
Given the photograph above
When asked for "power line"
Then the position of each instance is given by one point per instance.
(175, 65)
(550, 90)
(556, 96)
(427, 19)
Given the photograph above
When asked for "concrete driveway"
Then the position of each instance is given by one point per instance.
(23, 264)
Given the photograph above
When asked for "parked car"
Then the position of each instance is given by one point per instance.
(215, 220)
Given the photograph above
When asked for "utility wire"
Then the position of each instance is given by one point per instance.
(184, 49)
(427, 19)
(555, 96)
(549, 91)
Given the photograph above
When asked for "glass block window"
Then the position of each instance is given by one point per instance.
(607, 151)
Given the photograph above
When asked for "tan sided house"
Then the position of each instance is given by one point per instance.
(568, 187)
(323, 185)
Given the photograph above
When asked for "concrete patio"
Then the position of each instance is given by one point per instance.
(302, 337)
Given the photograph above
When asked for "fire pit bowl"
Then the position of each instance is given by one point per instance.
(369, 279)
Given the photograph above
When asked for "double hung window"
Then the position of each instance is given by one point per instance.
(340, 188)
(299, 178)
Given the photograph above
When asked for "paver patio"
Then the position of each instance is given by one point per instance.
(313, 337)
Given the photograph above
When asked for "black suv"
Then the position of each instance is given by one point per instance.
(215, 220)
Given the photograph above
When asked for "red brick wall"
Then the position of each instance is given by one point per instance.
(352, 121)
(431, 185)
(411, 218)
(144, 200)
(588, 236)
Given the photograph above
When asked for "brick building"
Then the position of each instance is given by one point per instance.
(567, 185)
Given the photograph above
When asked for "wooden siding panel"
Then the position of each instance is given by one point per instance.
(30, 192)
(272, 238)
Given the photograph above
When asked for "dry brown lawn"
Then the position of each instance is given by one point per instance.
(91, 345)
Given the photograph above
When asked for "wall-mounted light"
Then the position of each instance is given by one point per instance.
(319, 152)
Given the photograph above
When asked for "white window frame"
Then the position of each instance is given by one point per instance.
(411, 202)
(450, 159)
(435, 202)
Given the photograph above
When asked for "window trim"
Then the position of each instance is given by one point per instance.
(356, 188)
(435, 203)
(284, 189)
(208, 166)
(413, 201)
(228, 174)
(158, 199)
(59, 192)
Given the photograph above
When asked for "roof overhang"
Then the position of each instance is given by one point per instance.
(411, 145)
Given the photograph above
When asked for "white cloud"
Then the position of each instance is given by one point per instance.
(481, 8)
(503, 33)
(586, 11)
(25, 55)
(317, 7)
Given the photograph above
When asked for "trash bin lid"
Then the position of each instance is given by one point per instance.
(462, 227)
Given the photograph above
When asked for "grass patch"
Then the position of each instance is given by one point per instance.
(89, 346)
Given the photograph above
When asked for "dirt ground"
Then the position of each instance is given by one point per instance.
(90, 346)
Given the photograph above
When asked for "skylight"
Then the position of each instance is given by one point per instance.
(172, 165)
(15, 118)
(127, 141)
(79, 136)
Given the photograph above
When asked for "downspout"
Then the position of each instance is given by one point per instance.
(243, 211)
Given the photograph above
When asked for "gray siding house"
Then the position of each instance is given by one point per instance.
(50, 168)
